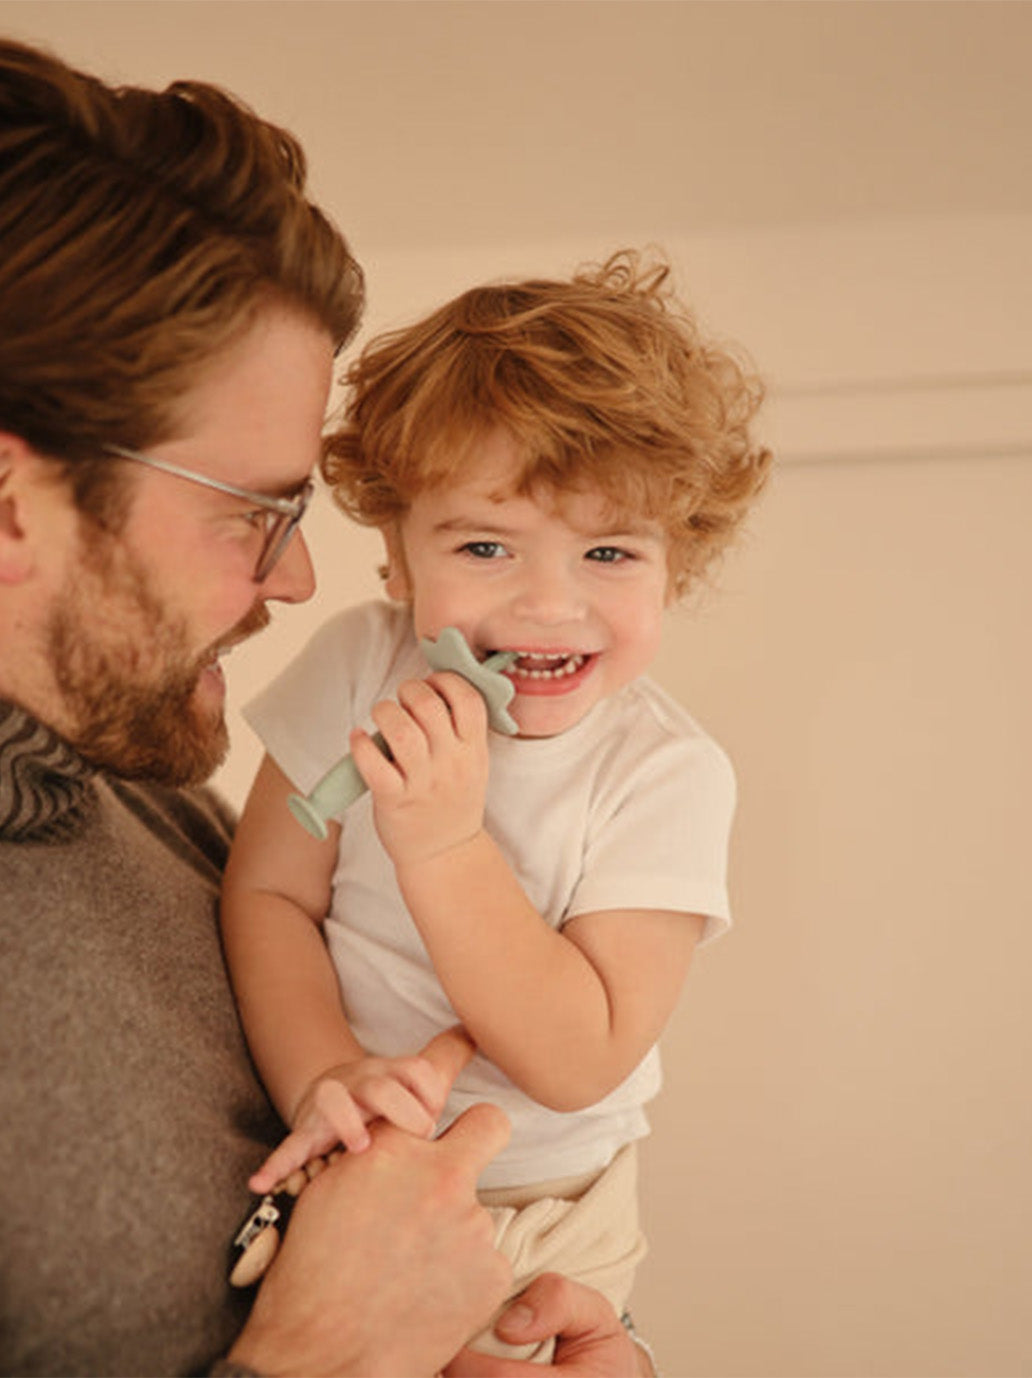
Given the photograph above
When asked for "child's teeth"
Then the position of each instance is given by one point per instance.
(547, 667)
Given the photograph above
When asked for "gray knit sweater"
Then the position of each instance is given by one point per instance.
(129, 1113)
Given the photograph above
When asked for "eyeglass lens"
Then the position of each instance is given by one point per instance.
(277, 537)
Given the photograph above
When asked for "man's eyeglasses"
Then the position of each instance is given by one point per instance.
(283, 514)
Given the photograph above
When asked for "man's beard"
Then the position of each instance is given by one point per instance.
(126, 677)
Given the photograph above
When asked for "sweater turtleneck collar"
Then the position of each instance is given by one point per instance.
(46, 788)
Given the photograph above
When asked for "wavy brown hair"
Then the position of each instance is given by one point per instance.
(605, 382)
(140, 233)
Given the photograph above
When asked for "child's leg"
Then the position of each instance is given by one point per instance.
(586, 1228)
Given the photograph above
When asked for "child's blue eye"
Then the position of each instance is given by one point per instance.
(484, 550)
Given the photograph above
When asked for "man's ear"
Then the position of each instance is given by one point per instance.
(16, 557)
(396, 576)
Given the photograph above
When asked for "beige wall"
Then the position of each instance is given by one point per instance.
(838, 1181)
(840, 1163)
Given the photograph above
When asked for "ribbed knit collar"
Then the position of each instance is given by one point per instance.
(46, 788)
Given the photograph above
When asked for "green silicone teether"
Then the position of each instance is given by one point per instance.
(342, 784)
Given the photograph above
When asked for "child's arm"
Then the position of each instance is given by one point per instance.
(568, 1015)
(276, 892)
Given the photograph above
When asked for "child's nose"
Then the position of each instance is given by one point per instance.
(549, 597)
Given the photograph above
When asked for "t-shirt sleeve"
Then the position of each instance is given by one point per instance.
(662, 841)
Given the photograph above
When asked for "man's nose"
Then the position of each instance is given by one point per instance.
(292, 578)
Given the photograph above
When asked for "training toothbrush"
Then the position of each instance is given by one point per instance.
(342, 784)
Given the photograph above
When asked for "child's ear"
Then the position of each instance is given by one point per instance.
(16, 556)
(396, 576)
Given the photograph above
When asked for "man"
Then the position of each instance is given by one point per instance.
(170, 306)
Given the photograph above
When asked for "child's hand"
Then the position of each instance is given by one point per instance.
(407, 1091)
(430, 796)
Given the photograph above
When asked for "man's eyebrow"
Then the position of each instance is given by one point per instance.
(290, 488)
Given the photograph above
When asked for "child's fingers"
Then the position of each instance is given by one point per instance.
(407, 1091)
(427, 707)
(425, 1082)
(447, 707)
(287, 1157)
(381, 773)
(387, 1099)
(344, 1116)
(403, 733)
(448, 1053)
(406, 742)
(466, 707)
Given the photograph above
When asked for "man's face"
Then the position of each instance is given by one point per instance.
(140, 620)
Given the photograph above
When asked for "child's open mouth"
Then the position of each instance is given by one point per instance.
(530, 665)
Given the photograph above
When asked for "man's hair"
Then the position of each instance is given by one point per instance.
(605, 383)
(140, 234)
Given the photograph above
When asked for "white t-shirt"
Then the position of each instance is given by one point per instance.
(630, 809)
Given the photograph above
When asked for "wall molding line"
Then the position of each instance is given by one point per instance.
(923, 418)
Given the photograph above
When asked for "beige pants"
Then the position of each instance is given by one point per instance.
(584, 1227)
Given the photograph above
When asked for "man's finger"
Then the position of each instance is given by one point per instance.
(550, 1305)
(449, 1052)
(470, 1363)
(478, 1135)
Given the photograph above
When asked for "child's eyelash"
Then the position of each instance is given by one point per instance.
(610, 554)
(482, 549)
(600, 554)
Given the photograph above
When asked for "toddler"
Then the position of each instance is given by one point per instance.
(550, 464)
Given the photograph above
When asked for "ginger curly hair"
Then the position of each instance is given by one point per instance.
(604, 381)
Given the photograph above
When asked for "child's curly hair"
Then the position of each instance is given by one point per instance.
(604, 381)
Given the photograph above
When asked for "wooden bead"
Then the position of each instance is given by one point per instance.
(253, 1262)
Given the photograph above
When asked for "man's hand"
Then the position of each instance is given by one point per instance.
(389, 1262)
(590, 1341)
